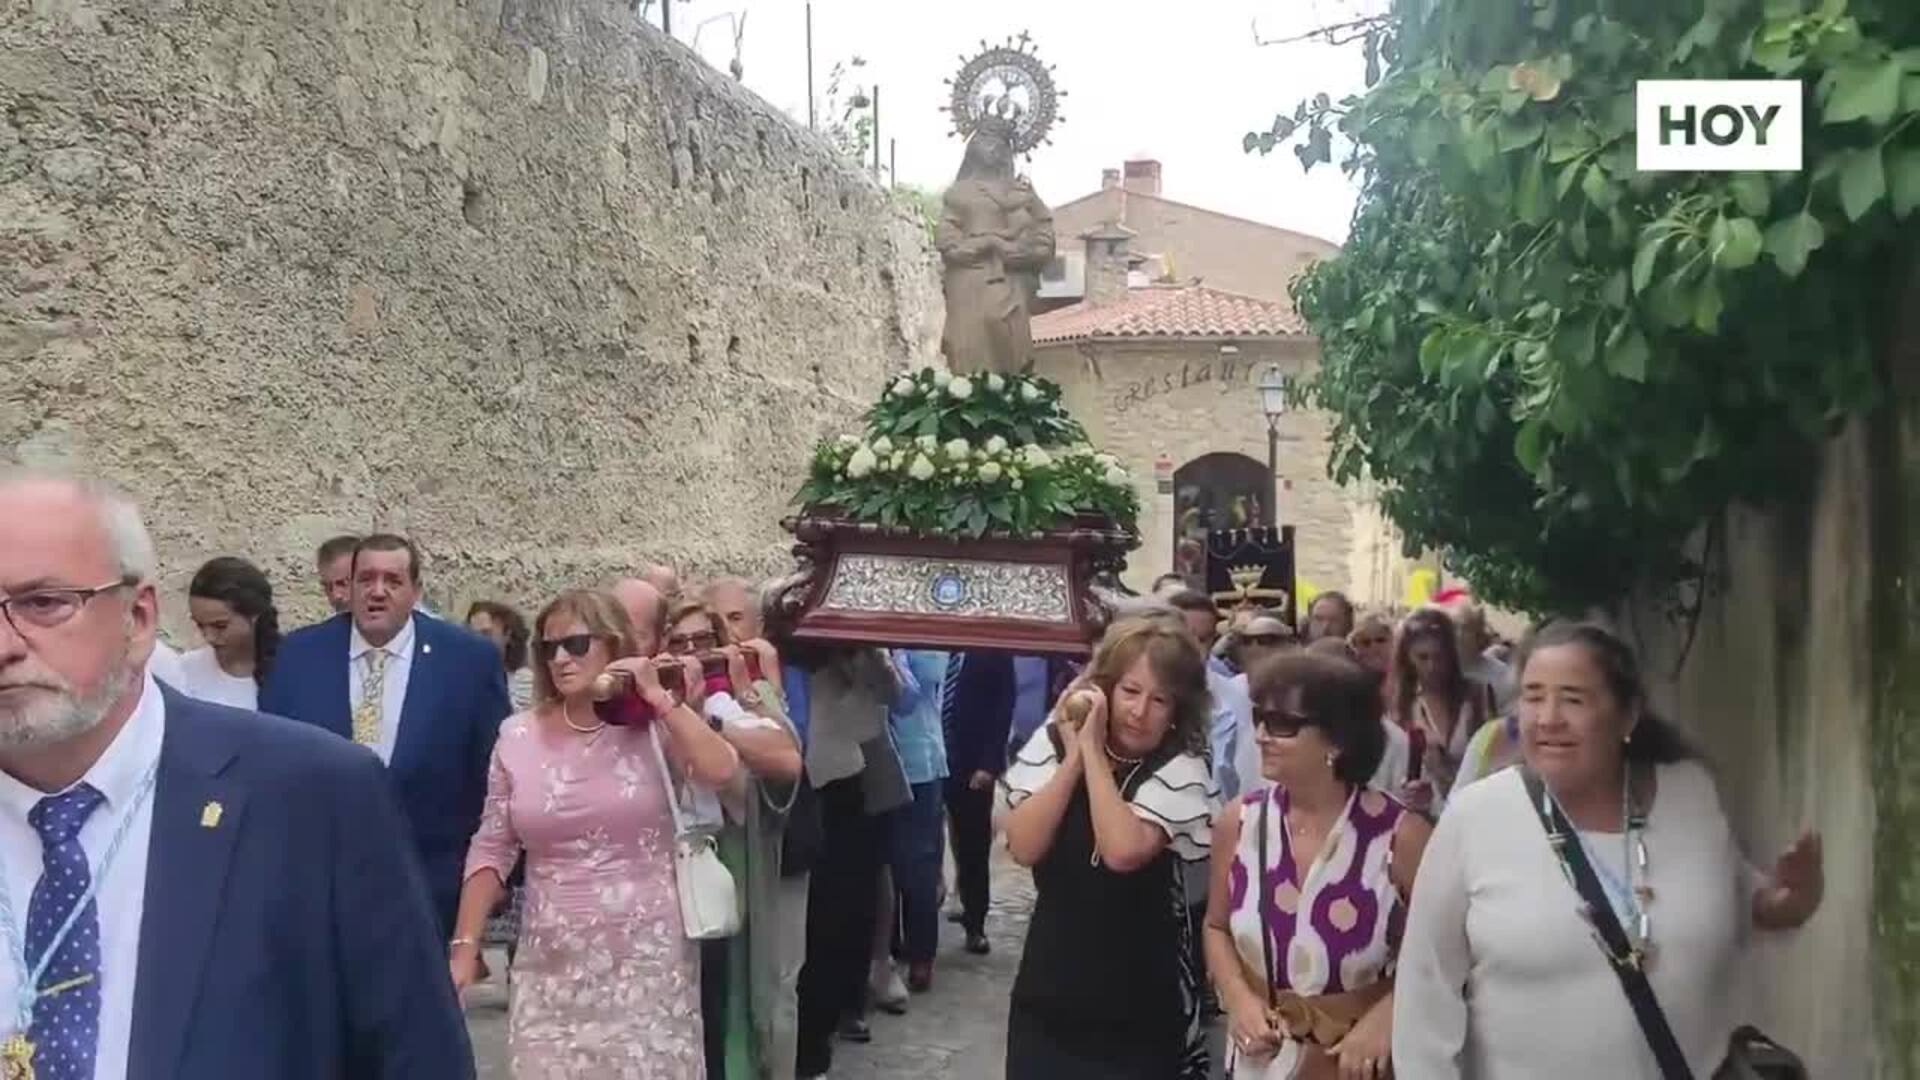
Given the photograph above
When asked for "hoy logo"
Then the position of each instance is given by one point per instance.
(1717, 125)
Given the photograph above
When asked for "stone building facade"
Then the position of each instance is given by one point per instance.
(521, 278)
(1163, 363)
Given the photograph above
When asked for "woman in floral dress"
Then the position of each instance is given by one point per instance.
(606, 983)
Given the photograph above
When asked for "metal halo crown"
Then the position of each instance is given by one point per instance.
(1008, 90)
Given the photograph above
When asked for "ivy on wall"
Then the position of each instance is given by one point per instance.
(1557, 367)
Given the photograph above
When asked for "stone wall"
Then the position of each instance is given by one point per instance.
(1802, 683)
(1185, 399)
(1777, 687)
(521, 278)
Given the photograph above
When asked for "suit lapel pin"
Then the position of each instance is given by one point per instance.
(210, 815)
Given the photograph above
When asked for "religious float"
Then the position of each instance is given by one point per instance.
(970, 511)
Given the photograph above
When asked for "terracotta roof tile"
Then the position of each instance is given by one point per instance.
(1169, 311)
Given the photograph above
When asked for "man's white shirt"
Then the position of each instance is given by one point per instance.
(121, 898)
(393, 695)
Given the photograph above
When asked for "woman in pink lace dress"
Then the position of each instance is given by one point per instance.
(606, 983)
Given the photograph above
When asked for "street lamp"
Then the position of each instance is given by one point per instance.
(1273, 402)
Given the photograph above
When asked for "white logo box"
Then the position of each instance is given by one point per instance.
(1722, 115)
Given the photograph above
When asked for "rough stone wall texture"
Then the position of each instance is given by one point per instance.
(1224, 251)
(521, 278)
(1184, 398)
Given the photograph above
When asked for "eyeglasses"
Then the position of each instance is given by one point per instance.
(44, 609)
(685, 643)
(1283, 723)
(576, 646)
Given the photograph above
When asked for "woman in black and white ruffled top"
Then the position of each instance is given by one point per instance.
(1106, 803)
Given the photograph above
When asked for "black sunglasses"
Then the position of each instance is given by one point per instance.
(684, 643)
(1284, 723)
(575, 644)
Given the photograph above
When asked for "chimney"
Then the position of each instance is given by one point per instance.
(1107, 263)
(1109, 179)
(1142, 176)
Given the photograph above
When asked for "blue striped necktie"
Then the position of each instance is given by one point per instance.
(949, 693)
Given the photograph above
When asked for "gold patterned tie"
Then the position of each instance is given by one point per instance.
(373, 685)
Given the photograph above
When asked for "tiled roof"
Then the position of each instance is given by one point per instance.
(1169, 311)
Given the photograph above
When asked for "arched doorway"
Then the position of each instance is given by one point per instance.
(1215, 491)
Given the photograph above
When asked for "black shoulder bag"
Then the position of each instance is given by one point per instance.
(1750, 1055)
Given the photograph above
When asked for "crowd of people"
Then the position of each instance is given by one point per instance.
(1373, 845)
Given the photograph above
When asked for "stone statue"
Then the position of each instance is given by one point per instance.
(995, 236)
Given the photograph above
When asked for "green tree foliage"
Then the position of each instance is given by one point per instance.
(1558, 368)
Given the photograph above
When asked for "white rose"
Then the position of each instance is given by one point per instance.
(921, 469)
(1036, 458)
(1116, 477)
(928, 443)
(1018, 484)
(960, 389)
(942, 378)
(1107, 461)
(849, 440)
(990, 472)
(886, 464)
(996, 444)
(962, 469)
(904, 387)
(995, 383)
(1029, 392)
(883, 446)
(958, 448)
(1014, 472)
(898, 459)
(980, 454)
(861, 463)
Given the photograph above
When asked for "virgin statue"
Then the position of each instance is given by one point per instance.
(995, 235)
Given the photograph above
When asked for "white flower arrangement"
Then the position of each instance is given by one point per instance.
(968, 455)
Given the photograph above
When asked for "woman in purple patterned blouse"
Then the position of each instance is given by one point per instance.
(1303, 960)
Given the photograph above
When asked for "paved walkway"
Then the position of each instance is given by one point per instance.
(955, 1032)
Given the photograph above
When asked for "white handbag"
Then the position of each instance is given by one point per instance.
(709, 902)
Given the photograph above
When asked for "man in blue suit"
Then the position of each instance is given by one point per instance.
(195, 891)
(976, 713)
(424, 694)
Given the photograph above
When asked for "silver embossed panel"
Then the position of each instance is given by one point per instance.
(900, 584)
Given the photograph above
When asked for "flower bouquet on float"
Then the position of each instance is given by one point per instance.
(970, 512)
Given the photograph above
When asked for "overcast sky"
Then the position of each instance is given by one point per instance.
(1178, 81)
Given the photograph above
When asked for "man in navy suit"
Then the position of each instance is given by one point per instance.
(201, 892)
(424, 694)
(976, 713)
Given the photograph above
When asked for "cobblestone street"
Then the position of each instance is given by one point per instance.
(955, 1032)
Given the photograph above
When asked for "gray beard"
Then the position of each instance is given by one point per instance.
(66, 715)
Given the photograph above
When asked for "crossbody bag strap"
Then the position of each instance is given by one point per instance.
(1646, 1008)
(1260, 899)
(666, 777)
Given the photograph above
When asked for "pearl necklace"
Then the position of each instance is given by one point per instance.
(566, 713)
